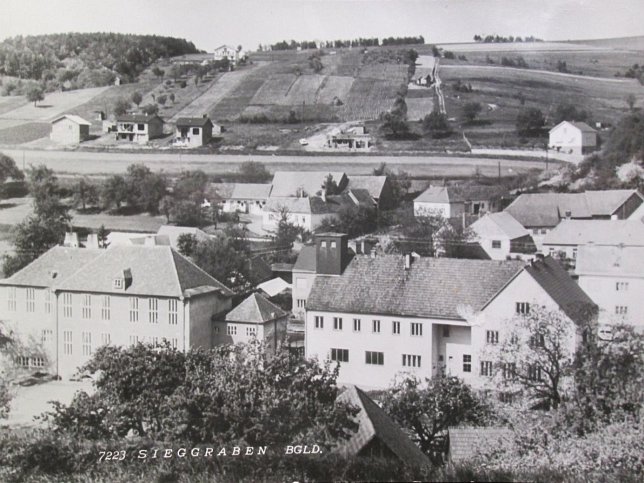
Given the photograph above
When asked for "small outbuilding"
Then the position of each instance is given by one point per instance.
(69, 129)
(194, 132)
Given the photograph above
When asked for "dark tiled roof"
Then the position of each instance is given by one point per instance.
(306, 260)
(251, 191)
(460, 193)
(432, 287)
(288, 183)
(374, 423)
(255, 309)
(373, 184)
(466, 443)
(52, 267)
(137, 118)
(554, 279)
(193, 121)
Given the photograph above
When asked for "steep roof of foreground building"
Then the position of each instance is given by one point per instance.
(255, 309)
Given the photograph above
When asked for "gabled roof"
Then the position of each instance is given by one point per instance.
(157, 271)
(306, 260)
(560, 286)
(432, 287)
(142, 118)
(619, 261)
(607, 202)
(503, 223)
(193, 122)
(601, 232)
(288, 183)
(52, 267)
(374, 423)
(274, 286)
(255, 310)
(251, 191)
(174, 232)
(316, 205)
(373, 184)
(466, 443)
(72, 117)
(459, 193)
(582, 126)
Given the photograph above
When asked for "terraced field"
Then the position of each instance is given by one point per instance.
(368, 98)
(419, 107)
(274, 90)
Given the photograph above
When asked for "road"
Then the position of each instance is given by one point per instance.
(106, 163)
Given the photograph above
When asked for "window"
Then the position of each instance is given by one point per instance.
(410, 360)
(67, 305)
(544, 231)
(523, 308)
(140, 127)
(67, 342)
(251, 331)
(467, 363)
(333, 244)
(231, 329)
(106, 339)
(301, 303)
(87, 343)
(322, 244)
(416, 328)
(446, 331)
(216, 329)
(118, 283)
(356, 325)
(337, 323)
(375, 326)
(174, 342)
(535, 231)
(37, 361)
(621, 310)
(86, 309)
(47, 301)
(486, 368)
(506, 397)
(537, 340)
(319, 322)
(134, 339)
(172, 311)
(153, 311)
(621, 286)
(574, 254)
(395, 327)
(375, 358)
(195, 130)
(496, 243)
(105, 307)
(134, 309)
(47, 336)
(31, 299)
(509, 370)
(340, 355)
(492, 336)
(534, 372)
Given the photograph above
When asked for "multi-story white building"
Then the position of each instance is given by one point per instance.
(388, 314)
(70, 301)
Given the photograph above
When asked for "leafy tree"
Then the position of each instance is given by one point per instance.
(427, 408)
(121, 106)
(626, 140)
(329, 186)
(172, 97)
(253, 172)
(85, 193)
(8, 169)
(186, 213)
(150, 109)
(158, 72)
(316, 63)
(287, 232)
(192, 186)
(145, 188)
(353, 220)
(436, 125)
(162, 99)
(530, 122)
(186, 244)
(394, 125)
(569, 112)
(46, 193)
(471, 110)
(114, 192)
(101, 234)
(35, 94)
(630, 101)
(225, 259)
(136, 98)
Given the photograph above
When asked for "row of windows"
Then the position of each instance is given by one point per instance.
(87, 346)
(416, 328)
(375, 358)
(231, 329)
(35, 361)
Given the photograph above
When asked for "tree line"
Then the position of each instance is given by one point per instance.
(359, 42)
(499, 39)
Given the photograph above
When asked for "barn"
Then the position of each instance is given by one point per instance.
(69, 129)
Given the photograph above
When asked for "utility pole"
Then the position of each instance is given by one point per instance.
(499, 168)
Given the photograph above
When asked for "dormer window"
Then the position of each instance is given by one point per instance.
(118, 283)
(122, 280)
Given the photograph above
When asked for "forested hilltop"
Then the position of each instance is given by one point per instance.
(85, 59)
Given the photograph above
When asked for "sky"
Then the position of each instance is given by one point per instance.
(210, 23)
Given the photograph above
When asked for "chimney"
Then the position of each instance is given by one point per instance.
(568, 214)
(205, 116)
(323, 195)
(539, 257)
(92, 241)
(150, 241)
(407, 258)
(373, 252)
(331, 252)
(71, 240)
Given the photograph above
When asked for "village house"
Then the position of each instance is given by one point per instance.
(386, 314)
(502, 237)
(253, 319)
(139, 128)
(613, 276)
(297, 184)
(568, 236)
(70, 301)
(226, 52)
(541, 212)
(304, 272)
(350, 139)
(193, 132)
(454, 201)
(69, 129)
(378, 187)
(248, 198)
(378, 436)
(573, 138)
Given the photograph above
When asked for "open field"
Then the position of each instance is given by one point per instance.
(24, 133)
(626, 43)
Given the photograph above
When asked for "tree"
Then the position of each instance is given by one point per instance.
(84, 193)
(192, 186)
(530, 122)
(329, 186)
(426, 409)
(535, 357)
(121, 106)
(158, 72)
(150, 109)
(136, 98)
(569, 112)
(471, 110)
(145, 188)
(114, 192)
(172, 97)
(394, 125)
(253, 172)
(630, 101)
(185, 212)
(287, 232)
(102, 234)
(35, 94)
(436, 125)
(353, 220)
(186, 243)
(162, 99)
(8, 169)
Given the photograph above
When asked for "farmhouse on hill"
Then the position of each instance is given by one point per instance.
(573, 138)
(69, 129)
(226, 52)
(139, 128)
(194, 132)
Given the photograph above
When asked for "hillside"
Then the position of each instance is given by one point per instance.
(625, 43)
(79, 60)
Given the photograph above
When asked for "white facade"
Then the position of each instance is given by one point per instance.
(446, 210)
(226, 51)
(69, 130)
(570, 139)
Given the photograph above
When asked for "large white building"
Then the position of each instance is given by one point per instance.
(383, 315)
(70, 301)
(573, 138)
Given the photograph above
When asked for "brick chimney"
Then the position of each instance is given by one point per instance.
(332, 253)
